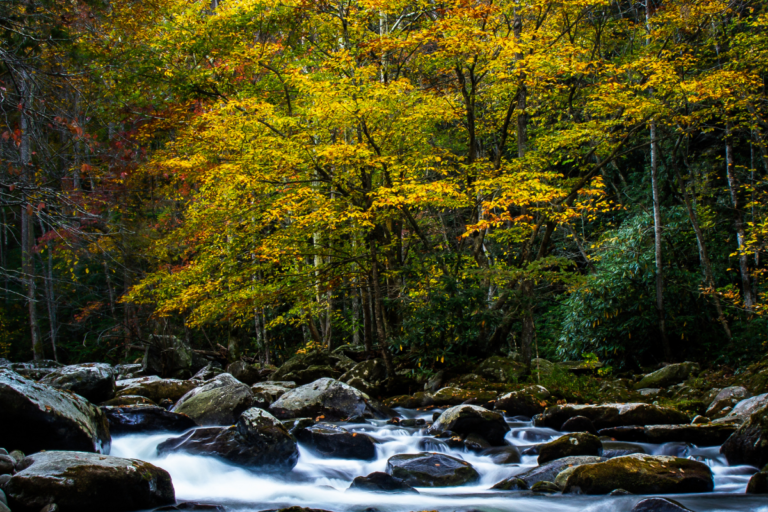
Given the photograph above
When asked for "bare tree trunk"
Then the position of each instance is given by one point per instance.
(367, 321)
(381, 327)
(355, 313)
(50, 298)
(733, 185)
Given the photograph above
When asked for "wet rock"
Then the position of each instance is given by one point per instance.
(642, 474)
(258, 441)
(749, 444)
(46, 418)
(503, 454)
(208, 372)
(93, 381)
(570, 445)
(455, 396)
(706, 434)
(333, 441)
(545, 487)
(525, 402)
(471, 419)
(298, 423)
(578, 424)
(726, 399)
(120, 401)
(758, 483)
(476, 443)
(7, 463)
(744, 409)
(613, 449)
(78, 481)
(550, 470)
(220, 401)
(511, 484)
(420, 399)
(659, 505)
(271, 391)
(127, 371)
(381, 482)
(611, 415)
(33, 370)
(244, 372)
(431, 470)
(170, 356)
(327, 398)
(146, 418)
(670, 374)
(500, 369)
(155, 388)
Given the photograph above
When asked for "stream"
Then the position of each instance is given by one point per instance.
(321, 483)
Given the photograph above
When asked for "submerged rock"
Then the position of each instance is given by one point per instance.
(155, 388)
(38, 417)
(146, 418)
(431, 470)
(381, 482)
(471, 419)
(611, 415)
(525, 402)
(642, 474)
(326, 398)
(333, 441)
(78, 481)
(93, 381)
(220, 401)
(704, 434)
(259, 441)
(570, 445)
(670, 374)
(749, 444)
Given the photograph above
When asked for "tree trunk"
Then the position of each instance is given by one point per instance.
(733, 186)
(657, 239)
(381, 327)
(50, 298)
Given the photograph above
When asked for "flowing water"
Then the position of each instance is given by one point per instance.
(321, 483)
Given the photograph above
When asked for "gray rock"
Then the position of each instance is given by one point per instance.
(271, 391)
(749, 444)
(570, 445)
(244, 372)
(127, 371)
(46, 418)
(503, 454)
(94, 381)
(525, 402)
(78, 481)
(670, 374)
(34, 370)
(726, 398)
(208, 372)
(431, 470)
(744, 409)
(471, 419)
(370, 375)
(549, 471)
(611, 415)
(121, 401)
(170, 356)
(155, 388)
(326, 398)
(333, 441)
(220, 401)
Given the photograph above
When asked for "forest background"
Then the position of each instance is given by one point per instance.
(438, 181)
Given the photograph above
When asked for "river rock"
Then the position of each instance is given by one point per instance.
(758, 483)
(726, 399)
(155, 388)
(642, 474)
(244, 372)
(659, 505)
(127, 371)
(578, 424)
(272, 391)
(170, 356)
(549, 471)
(670, 374)
(314, 365)
(511, 484)
(502, 455)
(570, 445)
(94, 381)
(420, 399)
(613, 449)
(500, 369)
(79, 482)
(749, 444)
(220, 401)
(381, 482)
(471, 419)
(744, 409)
(454, 396)
(146, 418)
(525, 402)
(34, 370)
(431, 470)
(326, 398)
(121, 401)
(369, 376)
(704, 434)
(332, 441)
(611, 415)
(38, 417)
(259, 442)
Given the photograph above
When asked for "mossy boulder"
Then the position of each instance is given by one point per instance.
(420, 399)
(471, 419)
(670, 374)
(79, 481)
(220, 401)
(369, 376)
(314, 365)
(155, 388)
(246, 373)
(93, 381)
(705, 434)
(611, 415)
(500, 369)
(327, 398)
(642, 474)
(272, 391)
(549, 471)
(39, 417)
(431, 470)
(528, 401)
(570, 445)
(455, 396)
(749, 444)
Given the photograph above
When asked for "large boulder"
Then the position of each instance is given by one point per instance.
(431, 470)
(570, 445)
(500, 369)
(244, 372)
(749, 444)
(87, 482)
(327, 398)
(169, 356)
(454, 396)
(524, 402)
(670, 374)
(258, 442)
(34, 370)
(471, 419)
(272, 390)
(611, 415)
(146, 418)
(369, 376)
(220, 401)
(381, 482)
(94, 381)
(38, 417)
(704, 434)
(725, 400)
(744, 409)
(548, 472)
(332, 441)
(642, 474)
(155, 388)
